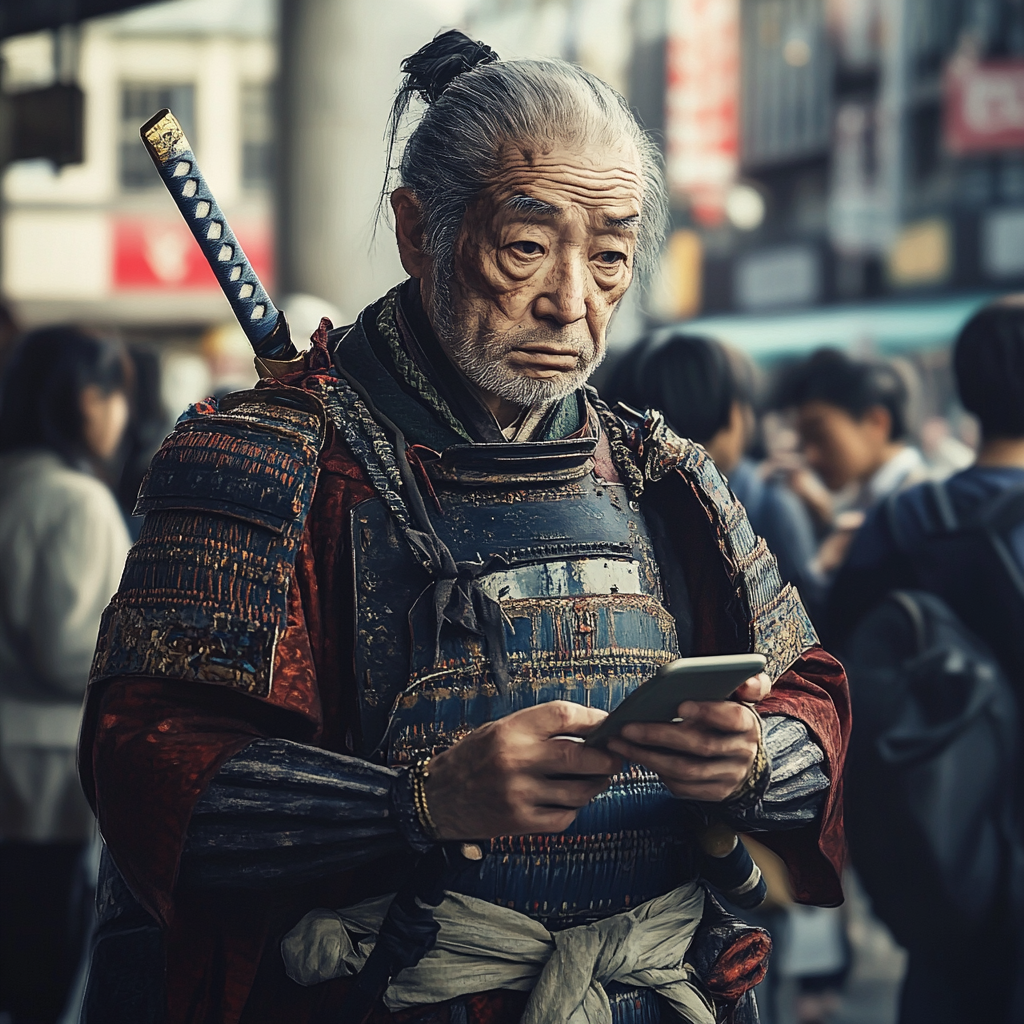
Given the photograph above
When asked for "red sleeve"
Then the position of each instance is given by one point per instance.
(815, 691)
(158, 744)
(150, 747)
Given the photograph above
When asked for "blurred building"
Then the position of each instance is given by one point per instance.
(99, 242)
(843, 150)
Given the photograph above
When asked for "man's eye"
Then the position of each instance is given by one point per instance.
(528, 248)
(611, 257)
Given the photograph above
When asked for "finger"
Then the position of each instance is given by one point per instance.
(547, 820)
(682, 769)
(687, 738)
(563, 757)
(723, 715)
(568, 794)
(755, 688)
(559, 718)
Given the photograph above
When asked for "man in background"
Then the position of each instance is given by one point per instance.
(989, 366)
(961, 541)
(851, 416)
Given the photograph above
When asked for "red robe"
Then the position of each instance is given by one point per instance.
(150, 747)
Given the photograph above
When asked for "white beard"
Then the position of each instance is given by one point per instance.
(481, 360)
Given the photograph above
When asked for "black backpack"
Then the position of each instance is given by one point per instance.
(931, 794)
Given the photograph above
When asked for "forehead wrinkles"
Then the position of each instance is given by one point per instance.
(577, 176)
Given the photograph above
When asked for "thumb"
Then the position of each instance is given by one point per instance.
(754, 689)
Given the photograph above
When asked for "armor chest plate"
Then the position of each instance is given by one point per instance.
(573, 568)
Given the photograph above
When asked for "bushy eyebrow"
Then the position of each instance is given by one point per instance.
(630, 223)
(530, 205)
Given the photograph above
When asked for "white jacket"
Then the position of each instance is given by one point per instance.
(63, 544)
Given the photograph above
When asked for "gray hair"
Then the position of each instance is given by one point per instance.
(454, 151)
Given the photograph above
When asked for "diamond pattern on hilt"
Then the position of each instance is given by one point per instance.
(225, 254)
(257, 312)
(214, 230)
(188, 190)
(245, 291)
(236, 273)
(202, 209)
(182, 168)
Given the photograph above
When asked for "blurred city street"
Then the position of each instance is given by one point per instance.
(837, 296)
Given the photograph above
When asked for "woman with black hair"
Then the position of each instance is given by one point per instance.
(63, 411)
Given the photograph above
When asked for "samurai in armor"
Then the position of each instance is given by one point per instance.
(377, 597)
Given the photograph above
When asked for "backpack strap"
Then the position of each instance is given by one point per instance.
(948, 518)
(996, 519)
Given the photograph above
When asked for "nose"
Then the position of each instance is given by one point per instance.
(563, 299)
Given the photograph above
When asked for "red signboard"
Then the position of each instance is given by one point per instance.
(984, 106)
(702, 103)
(161, 254)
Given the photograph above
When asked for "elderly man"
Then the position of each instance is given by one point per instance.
(376, 599)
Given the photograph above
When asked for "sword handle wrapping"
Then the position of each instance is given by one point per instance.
(262, 322)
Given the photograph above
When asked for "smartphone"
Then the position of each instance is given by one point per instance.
(658, 700)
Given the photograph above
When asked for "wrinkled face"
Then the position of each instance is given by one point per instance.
(543, 259)
(840, 448)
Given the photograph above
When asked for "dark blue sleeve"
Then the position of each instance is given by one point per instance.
(281, 813)
(874, 566)
(874, 544)
(798, 788)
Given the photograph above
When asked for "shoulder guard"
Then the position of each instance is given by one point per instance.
(780, 628)
(204, 591)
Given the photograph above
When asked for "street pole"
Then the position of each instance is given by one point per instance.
(339, 62)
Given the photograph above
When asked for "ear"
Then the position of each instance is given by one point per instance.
(409, 233)
(879, 420)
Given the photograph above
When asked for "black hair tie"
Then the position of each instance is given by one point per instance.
(433, 67)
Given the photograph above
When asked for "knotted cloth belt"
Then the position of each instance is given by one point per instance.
(482, 946)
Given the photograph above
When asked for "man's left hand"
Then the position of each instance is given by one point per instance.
(709, 754)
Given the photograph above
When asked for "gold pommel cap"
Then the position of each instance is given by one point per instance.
(164, 137)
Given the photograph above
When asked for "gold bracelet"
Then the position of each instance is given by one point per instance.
(419, 774)
(758, 769)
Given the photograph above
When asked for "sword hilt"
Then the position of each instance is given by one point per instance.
(264, 325)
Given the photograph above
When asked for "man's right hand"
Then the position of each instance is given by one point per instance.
(509, 777)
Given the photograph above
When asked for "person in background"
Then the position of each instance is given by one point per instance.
(851, 415)
(63, 410)
(900, 548)
(989, 365)
(706, 392)
(8, 334)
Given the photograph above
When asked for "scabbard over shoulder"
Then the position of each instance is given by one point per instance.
(205, 589)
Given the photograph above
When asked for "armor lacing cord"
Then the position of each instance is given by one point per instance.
(622, 454)
(456, 595)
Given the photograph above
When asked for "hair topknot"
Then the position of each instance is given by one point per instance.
(432, 68)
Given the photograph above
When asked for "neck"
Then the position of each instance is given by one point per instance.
(1002, 451)
(889, 452)
(505, 412)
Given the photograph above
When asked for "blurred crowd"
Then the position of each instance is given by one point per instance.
(907, 545)
(857, 497)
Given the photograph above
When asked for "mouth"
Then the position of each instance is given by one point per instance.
(549, 358)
